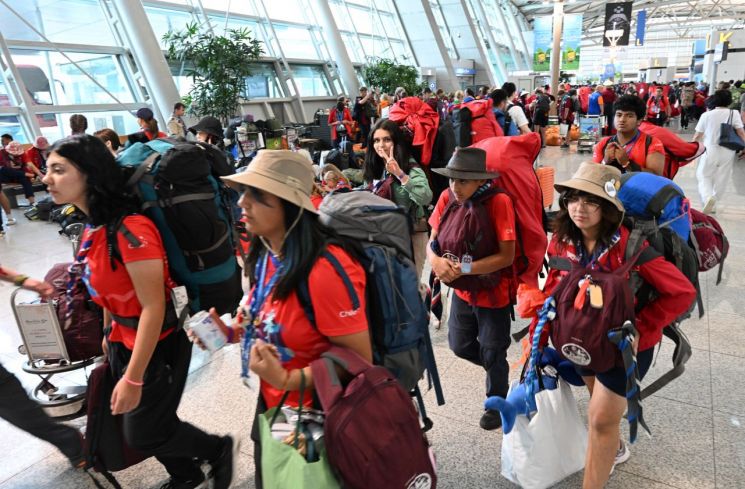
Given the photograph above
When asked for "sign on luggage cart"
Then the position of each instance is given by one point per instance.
(40, 331)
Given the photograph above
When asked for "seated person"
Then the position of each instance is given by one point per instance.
(630, 149)
(37, 155)
(14, 170)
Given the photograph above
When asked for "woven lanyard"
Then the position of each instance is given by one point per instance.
(267, 330)
(75, 272)
(629, 147)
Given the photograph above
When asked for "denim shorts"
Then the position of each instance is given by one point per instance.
(615, 378)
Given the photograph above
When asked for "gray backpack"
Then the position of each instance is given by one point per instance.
(368, 218)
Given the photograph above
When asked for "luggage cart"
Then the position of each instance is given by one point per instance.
(590, 128)
(45, 348)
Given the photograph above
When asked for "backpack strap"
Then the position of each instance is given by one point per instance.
(681, 354)
(657, 203)
(622, 338)
(113, 243)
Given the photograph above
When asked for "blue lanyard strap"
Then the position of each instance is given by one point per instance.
(267, 330)
(629, 147)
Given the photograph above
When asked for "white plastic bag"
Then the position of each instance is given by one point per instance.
(563, 130)
(551, 446)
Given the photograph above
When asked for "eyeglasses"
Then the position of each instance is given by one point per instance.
(590, 204)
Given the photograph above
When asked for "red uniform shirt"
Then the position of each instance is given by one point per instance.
(113, 289)
(636, 150)
(333, 313)
(502, 214)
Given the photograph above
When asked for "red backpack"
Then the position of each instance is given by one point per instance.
(709, 242)
(467, 229)
(580, 329)
(513, 158)
(372, 432)
(475, 121)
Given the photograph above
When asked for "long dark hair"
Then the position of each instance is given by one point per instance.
(303, 245)
(374, 164)
(565, 230)
(107, 200)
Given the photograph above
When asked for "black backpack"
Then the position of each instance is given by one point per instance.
(178, 186)
(542, 103)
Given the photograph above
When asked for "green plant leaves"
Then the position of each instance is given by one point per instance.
(387, 75)
(218, 67)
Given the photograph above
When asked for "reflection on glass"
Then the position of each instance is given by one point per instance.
(311, 80)
(296, 42)
(58, 21)
(51, 78)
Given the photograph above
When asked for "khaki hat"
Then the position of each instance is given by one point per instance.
(14, 148)
(467, 164)
(595, 179)
(286, 174)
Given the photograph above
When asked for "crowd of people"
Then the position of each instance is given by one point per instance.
(280, 192)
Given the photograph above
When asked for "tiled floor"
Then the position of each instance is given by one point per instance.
(698, 422)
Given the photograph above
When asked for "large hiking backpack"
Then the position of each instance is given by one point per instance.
(709, 242)
(648, 196)
(396, 313)
(178, 187)
(513, 158)
(83, 335)
(371, 430)
(678, 152)
(474, 121)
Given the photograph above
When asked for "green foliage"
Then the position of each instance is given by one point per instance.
(218, 66)
(387, 75)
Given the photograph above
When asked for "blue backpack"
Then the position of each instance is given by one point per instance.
(651, 197)
(396, 312)
(177, 185)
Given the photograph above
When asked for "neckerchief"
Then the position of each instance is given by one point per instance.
(593, 260)
(75, 272)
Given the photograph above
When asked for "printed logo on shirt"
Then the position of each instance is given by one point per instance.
(348, 314)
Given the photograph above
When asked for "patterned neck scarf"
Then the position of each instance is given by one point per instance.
(76, 272)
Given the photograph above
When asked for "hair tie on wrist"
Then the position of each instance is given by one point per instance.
(132, 382)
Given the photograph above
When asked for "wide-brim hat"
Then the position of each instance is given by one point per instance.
(285, 174)
(467, 164)
(596, 179)
(210, 125)
(14, 148)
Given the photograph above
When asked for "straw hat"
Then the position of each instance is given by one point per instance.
(467, 164)
(595, 179)
(282, 173)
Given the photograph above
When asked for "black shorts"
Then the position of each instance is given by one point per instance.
(615, 378)
(540, 118)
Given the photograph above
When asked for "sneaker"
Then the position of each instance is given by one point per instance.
(709, 205)
(174, 484)
(490, 420)
(223, 467)
(10, 221)
(622, 455)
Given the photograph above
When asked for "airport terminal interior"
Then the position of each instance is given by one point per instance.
(313, 77)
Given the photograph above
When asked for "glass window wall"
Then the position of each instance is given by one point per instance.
(311, 80)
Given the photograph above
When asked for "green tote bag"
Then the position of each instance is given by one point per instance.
(282, 466)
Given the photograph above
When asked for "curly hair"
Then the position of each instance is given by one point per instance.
(108, 202)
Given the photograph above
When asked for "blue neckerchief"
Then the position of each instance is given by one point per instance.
(629, 147)
(592, 260)
(479, 191)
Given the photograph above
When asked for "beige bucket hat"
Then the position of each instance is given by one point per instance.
(595, 179)
(286, 174)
